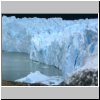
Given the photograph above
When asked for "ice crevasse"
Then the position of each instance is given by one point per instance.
(65, 44)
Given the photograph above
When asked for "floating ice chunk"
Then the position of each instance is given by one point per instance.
(38, 77)
(34, 77)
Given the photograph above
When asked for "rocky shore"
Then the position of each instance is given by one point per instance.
(12, 83)
(88, 77)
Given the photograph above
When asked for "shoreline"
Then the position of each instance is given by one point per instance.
(82, 78)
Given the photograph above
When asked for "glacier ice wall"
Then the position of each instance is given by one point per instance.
(62, 43)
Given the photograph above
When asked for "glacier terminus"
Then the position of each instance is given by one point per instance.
(67, 44)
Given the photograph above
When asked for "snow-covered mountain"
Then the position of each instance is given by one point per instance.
(66, 44)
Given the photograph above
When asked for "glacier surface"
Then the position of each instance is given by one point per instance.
(54, 41)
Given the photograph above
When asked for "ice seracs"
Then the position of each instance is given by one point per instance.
(54, 41)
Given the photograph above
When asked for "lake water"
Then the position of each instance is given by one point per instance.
(17, 65)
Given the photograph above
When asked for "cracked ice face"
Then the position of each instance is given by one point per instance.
(62, 43)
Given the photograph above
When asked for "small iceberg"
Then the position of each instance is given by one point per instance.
(38, 77)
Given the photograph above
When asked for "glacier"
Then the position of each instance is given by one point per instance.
(65, 44)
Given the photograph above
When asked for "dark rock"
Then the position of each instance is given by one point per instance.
(84, 78)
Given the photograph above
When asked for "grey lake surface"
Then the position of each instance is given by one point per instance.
(17, 65)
